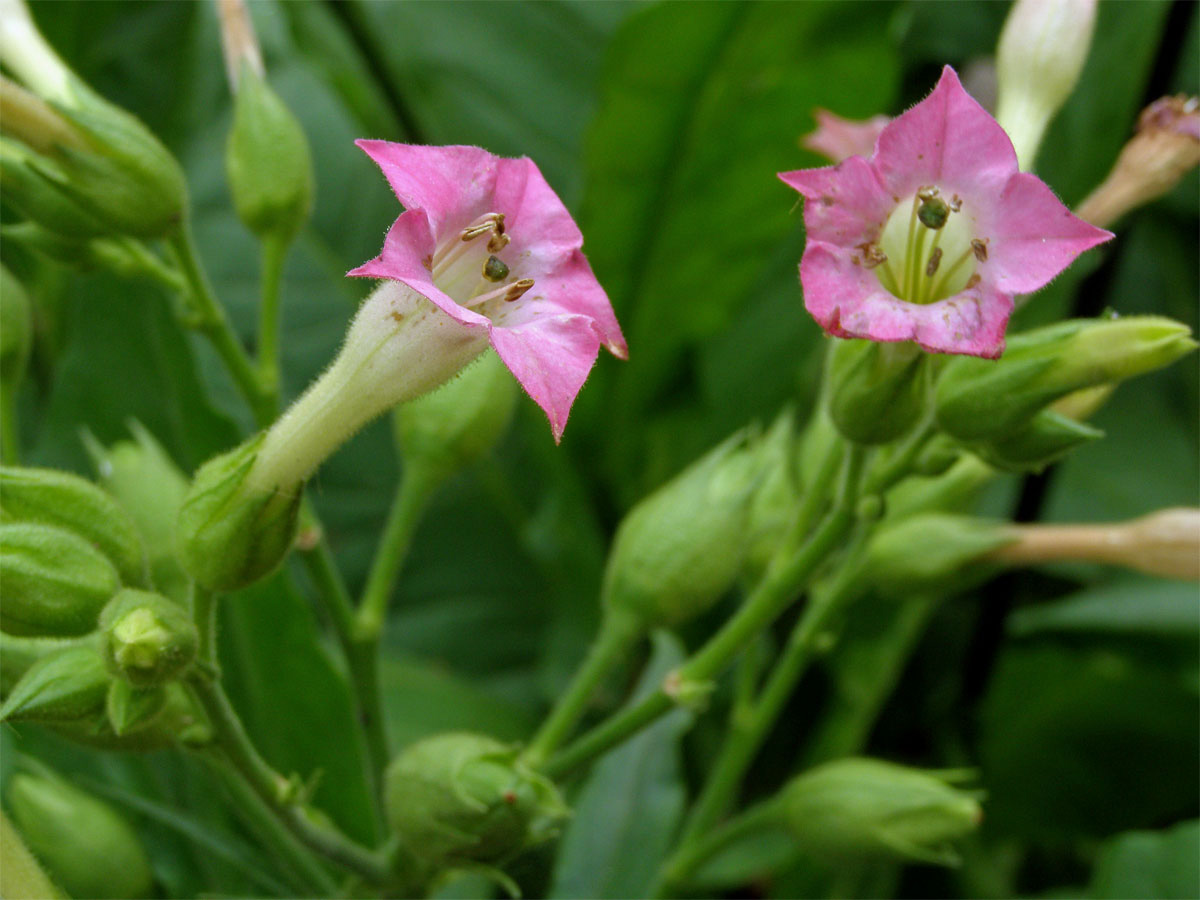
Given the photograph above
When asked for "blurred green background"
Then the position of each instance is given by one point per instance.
(661, 126)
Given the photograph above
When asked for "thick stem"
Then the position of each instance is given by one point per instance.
(618, 633)
(274, 251)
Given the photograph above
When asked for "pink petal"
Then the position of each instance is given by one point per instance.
(845, 204)
(454, 185)
(947, 140)
(1032, 236)
(838, 138)
(551, 357)
(572, 288)
(536, 219)
(847, 301)
(406, 255)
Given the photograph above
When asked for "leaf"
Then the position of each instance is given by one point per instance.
(1130, 606)
(1161, 864)
(637, 793)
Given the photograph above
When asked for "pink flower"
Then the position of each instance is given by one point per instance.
(487, 241)
(930, 238)
(838, 138)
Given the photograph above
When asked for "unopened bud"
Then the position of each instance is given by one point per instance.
(464, 798)
(87, 847)
(773, 506)
(52, 497)
(1165, 148)
(876, 391)
(930, 550)
(144, 479)
(32, 184)
(449, 428)
(955, 490)
(680, 549)
(1038, 62)
(55, 582)
(979, 400)
(16, 329)
(231, 533)
(18, 653)
(147, 725)
(65, 685)
(20, 873)
(1082, 405)
(147, 639)
(267, 160)
(869, 809)
(1045, 439)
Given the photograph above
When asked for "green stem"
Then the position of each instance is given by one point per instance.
(204, 614)
(214, 324)
(417, 486)
(10, 442)
(274, 251)
(687, 861)
(301, 869)
(618, 633)
(768, 600)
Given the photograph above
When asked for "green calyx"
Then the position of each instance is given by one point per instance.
(877, 392)
(147, 638)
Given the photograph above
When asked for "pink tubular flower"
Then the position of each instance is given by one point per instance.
(930, 238)
(487, 241)
(838, 138)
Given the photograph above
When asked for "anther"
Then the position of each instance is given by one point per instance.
(972, 281)
(497, 242)
(495, 269)
(873, 255)
(517, 289)
(935, 259)
(955, 203)
(979, 248)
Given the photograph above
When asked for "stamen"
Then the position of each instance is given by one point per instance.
(497, 242)
(507, 293)
(980, 249)
(935, 259)
(518, 289)
(495, 269)
(873, 254)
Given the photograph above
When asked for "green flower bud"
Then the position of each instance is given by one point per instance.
(36, 194)
(51, 497)
(876, 391)
(18, 653)
(679, 550)
(179, 720)
(1047, 438)
(937, 456)
(55, 582)
(267, 160)
(232, 534)
(955, 489)
(980, 400)
(65, 685)
(462, 798)
(773, 506)
(865, 808)
(20, 874)
(925, 551)
(144, 479)
(130, 708)
(451, 427)
(16, 329)
(86, 846)
(147, 639)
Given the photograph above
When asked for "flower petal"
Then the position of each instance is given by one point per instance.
(838, 138)
(844, 204)
(572, 288)
(847, 300)
(947, 140)
(551, 357)
(454, 185)
(406, 257)
(1032, 236)
(536, 219)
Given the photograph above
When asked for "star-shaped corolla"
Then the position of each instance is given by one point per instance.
(930, 238)
(487, 241)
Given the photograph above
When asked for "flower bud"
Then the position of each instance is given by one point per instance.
(267, 160)
(51, 497)
(773, 506)
(144, 479)
(926, 551)
(1165, 148)
(65, 685)
(16, 329)
(18, 653)
(147, 639)
(980, 400)
(85, 845)
(20, 873)
(32, 184)
(460, 798)
(869, 809)
(679, 550)
(937, 456)
(876, 391)
(55, 582)
(449, 428)
(1047, 438)
(147, 725)
(1040, 56)
(230, 533)
(956, 489)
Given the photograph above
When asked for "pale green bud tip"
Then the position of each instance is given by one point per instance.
(865, 808)
(231, 533)
(463, 798)
(148, 639)
(1041, 54)
(680, 549)
(876, 390)
(448, 429)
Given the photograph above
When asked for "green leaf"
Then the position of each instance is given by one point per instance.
(637, 792)
(1161, 864)
(1145, 607)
